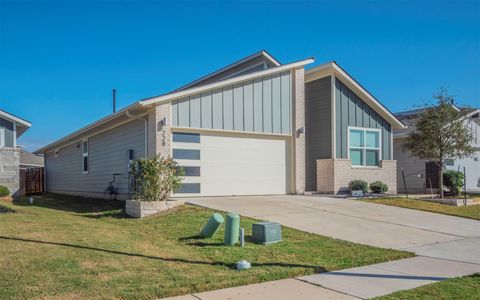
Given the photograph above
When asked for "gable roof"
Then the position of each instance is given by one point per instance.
(143, 105)
(271, 61)
(335, 69)
(21, 124)
(410, 118)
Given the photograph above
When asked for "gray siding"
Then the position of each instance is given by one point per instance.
(350, 110)
(8, 129)
(412, 166)
(318, 125)
(263, 105)
(108, 154)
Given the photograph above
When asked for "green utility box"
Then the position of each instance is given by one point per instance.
(266, 232)
(212, 225)
(232, 229)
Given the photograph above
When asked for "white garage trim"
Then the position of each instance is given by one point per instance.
(238, 164)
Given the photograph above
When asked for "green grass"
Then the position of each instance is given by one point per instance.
(68, 247)
(457, 288)
(471, 211)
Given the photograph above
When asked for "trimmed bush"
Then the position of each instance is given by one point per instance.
(453, 180)
(4, 191)
(378, 187)
(356, 185)
(154, 178)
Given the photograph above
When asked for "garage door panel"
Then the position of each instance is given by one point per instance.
(240, 165)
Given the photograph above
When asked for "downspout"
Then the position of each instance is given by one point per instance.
(128, 114)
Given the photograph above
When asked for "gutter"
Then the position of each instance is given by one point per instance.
(128, 114)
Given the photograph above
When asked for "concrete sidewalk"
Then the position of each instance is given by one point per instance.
(447, 246)
(356, 283)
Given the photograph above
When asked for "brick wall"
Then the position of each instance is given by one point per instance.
(299, 87)
(10, 168)
(333, 175)
(159, 136)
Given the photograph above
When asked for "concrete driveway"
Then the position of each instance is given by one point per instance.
(427, 234)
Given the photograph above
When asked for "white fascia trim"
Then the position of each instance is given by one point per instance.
(320, 72)
(216, 85)
(239, 62)
(15, 119)
(86, 128)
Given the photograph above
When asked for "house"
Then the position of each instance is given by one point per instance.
(254, 127)
(11, 128)
(421, 176)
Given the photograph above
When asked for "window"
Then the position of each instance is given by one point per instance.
(85, 157)
(449, 162)
(2, 137)
(186, 154)
(188, 188)
(186, 137)
(189, 171)
(364, 146)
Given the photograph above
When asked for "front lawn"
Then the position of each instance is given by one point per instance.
(67, 247)
(470, 211)
(457, 288)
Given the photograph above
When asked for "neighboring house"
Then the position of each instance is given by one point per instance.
(421, 176)
(255, 127)
(29, 160)
(11, 128)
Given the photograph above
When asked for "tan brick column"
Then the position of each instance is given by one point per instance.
(299, 138)
(159, 136)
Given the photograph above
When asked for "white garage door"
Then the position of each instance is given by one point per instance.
(220, 165)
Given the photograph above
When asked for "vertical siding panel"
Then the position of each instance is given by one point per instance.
(276, 104)
(228, 108)
(195, 117)
(351, 108)
(248, 106)
(257, 105)
(175, 113)
(206, 110)
(366, 116)
(238, 107)
(286, 102)
(359, 112)
(344, 120)
(217, 109)
(338, 118)
(184, 112)
(267, 104)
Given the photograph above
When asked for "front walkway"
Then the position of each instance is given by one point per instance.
(447, 246)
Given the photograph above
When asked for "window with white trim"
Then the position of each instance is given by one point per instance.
(85, 157)
(364, 146)
(2, 137)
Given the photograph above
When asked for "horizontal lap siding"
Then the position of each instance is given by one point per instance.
(353, 111)
(262, 105)
(108, 154)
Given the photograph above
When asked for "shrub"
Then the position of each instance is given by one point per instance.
(378, 187)
(453, 180)
(4, 191)
(153, 179)
(356, 185)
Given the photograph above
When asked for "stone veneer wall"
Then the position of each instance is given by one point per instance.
(299, 86)
(159, 136)
(335, 174)
(10, 168)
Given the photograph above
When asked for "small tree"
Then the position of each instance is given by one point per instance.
(441, 134)
(154, 178)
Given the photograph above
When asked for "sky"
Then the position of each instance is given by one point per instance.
(59, 61)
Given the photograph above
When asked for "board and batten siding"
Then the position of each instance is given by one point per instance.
(318, 124)
(263, 105)
(107, 154)
(351, 110)
(7, 127)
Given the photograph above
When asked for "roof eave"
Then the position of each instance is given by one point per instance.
(219, 84)
(333, 68)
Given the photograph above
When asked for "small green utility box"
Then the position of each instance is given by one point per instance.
(266, 232)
